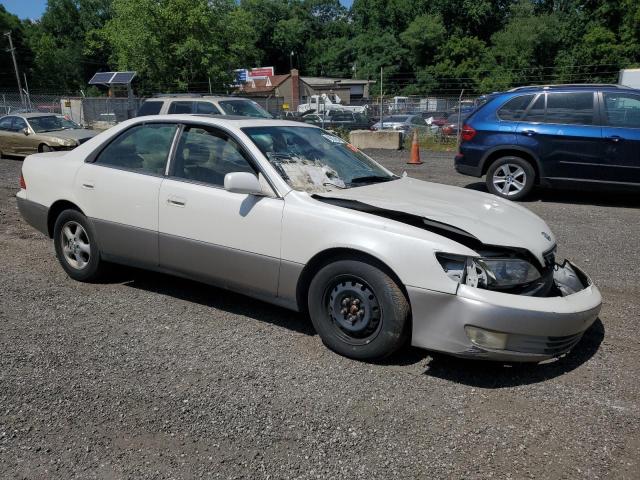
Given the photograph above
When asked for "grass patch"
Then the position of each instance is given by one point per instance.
(432, 142)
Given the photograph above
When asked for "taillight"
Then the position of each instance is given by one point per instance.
(23, 184)
(467, 133)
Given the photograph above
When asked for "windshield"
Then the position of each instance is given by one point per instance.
(314, 160)
(244, 108)
(50, 123)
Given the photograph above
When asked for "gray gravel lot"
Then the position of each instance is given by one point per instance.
(150, 376)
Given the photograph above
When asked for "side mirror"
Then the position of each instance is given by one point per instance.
(242, 182)
(25, 131)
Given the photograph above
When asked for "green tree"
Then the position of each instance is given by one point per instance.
(62, 38)
(179, 44)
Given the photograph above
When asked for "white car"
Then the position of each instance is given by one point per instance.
(293, 215)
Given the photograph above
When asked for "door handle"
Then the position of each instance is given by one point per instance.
(529, 133)
(614, 138)
(176, 201)
(88, 186)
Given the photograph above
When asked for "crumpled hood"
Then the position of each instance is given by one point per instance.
(492, 220)
(73, 134)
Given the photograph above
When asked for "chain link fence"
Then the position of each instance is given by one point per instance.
(443, 114)
(11, 102)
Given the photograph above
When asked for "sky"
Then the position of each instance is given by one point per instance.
(33, 8)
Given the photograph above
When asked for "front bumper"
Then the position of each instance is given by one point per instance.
(539, 328)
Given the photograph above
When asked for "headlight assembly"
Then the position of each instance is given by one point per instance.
(490, 273)
(66, 142)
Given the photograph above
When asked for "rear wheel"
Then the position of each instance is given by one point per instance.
(510, 177)
(358, 310)
(76, 247)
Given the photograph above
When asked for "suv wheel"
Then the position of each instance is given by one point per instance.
(510, 177)
(358, 310)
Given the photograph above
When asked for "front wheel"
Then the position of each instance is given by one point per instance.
(76, 247)
(511, 178)
(45, 148)
(358, 310)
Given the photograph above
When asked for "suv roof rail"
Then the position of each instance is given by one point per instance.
(171, 95)
(569, 85)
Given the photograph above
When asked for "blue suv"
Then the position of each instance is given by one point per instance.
(558, 135)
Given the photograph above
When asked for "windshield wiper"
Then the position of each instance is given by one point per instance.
(372, 179)
(330, 184)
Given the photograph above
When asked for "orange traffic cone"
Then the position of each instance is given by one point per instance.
(415, 151)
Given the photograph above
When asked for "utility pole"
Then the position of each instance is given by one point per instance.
(26, 91)
(15, 65)
(381, 103)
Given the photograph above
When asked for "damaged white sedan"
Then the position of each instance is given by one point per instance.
(293, 215)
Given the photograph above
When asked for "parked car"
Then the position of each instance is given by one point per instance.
(293, 215)
(557, 135)
(436, 118)
(453, 124)
(27, 133)
(204, 105)
(431, 117)
(403, 123)
(339, 119)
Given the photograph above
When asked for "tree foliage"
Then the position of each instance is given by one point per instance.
(423, 46)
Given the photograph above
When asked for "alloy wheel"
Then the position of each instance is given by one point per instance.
(509, 179)
(75, 245)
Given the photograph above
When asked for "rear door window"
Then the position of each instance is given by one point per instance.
(150, 107)
(181, 107)
(622, 110)
(570, 108)
(515, 108)
(207, 108)
(143, 149)
(536, 112)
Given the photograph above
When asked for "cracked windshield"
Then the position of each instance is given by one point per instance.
(51, 123)
(314, 160)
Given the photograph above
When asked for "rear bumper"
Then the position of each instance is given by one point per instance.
(34, 214)
(468, 170)
(466, 167)
(538, 328)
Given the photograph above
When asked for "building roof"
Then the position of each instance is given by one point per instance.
(264, 85)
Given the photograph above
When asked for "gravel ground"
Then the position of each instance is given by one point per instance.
(150, 376)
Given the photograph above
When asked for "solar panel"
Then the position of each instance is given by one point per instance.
(101, 78)
(123, 77)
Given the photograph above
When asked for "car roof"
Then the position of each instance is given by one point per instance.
(194, 97)
(34, 114)
(571, 86)
(231, 120)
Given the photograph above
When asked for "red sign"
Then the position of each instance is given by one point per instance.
(261, 72)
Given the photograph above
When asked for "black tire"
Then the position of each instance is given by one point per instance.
(44, 148)
(94, 267)
(521, 173)
(373, 334)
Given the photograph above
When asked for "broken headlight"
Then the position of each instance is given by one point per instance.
(488, 272)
